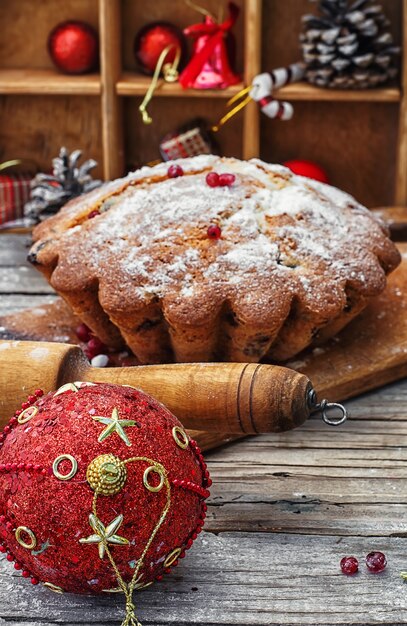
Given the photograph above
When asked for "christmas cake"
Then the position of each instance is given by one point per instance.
(213, 258)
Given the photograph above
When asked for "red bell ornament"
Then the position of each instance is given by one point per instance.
(209, 67)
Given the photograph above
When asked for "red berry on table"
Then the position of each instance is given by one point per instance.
(83, 333)
(349, 565)
(376, 562)
(95, 347)
(212, 179)
(214, 231)
(174, 171)
(226, 180)
(73, 47)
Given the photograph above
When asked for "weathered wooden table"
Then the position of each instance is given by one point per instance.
(283, 511)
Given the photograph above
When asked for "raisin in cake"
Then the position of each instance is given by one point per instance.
(262, 265)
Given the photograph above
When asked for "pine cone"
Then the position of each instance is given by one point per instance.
(349, 46)
(50, 192)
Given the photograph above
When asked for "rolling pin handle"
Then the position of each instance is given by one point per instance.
(324, 406)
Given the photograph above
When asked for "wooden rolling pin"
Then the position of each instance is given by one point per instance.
(218, 397)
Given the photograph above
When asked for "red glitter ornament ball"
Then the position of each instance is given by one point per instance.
(152, 40)
(73, 47)
(100, 489)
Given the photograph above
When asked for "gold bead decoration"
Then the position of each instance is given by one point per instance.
(25, 544)
(54, 588)
(180, 437)
(27, 414)
(106, 475)
(172, 557)
(58, 461)
(158, 471)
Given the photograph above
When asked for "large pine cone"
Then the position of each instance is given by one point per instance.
(349, 46)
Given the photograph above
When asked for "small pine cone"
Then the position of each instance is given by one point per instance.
(50, 192)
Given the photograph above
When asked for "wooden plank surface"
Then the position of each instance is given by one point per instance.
(283, 511)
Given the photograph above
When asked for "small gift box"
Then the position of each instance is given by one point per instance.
(15, 186)
(14, 193)
(190, 140)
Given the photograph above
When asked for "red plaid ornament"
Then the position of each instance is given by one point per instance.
(14, 193)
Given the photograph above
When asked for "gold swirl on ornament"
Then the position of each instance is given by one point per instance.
(180, 437)
(106, 475)
(66, 387)
(54, 588)
(25, 544)
(27, 414)
(105, 535)
(156, 470)
(172, 557)
(58, 461)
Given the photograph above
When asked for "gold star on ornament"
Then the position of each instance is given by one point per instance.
(114, 425)
(105, 534)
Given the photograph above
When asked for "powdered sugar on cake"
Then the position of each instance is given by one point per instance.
(273, 224)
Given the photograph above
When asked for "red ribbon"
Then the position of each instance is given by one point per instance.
(216, 34)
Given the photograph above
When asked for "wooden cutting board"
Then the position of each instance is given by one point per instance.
(371, 351)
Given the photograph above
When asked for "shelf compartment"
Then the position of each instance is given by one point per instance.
(35, 128)
(306, 92)
(136, 85)
(47, 82)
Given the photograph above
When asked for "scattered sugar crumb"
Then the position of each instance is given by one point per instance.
(39, 353)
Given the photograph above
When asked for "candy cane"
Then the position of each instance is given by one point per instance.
(263, 85)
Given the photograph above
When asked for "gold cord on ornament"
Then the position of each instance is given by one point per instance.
(128, 589)
(244, 101)
(170, 71)
(200, 9)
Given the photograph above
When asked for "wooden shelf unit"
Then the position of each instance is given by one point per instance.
(305, 92)
(136, 85)
(352, 133)
(48, 81)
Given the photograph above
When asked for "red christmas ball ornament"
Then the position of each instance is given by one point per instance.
(152, 39)
(307, 169)
(101, 490)
(73, 47)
